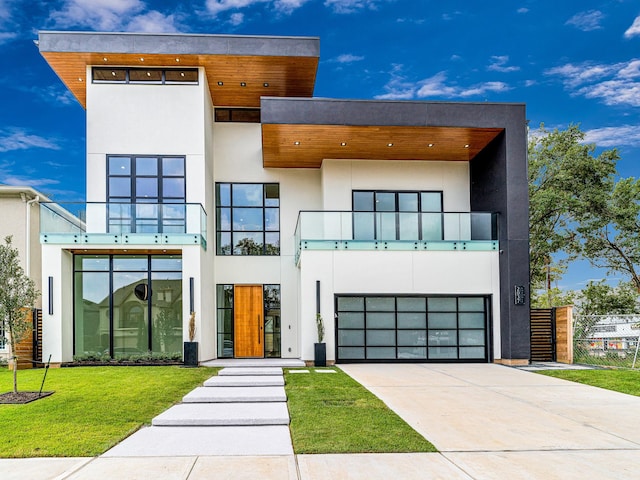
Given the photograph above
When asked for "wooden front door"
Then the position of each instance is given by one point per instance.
(248, 321)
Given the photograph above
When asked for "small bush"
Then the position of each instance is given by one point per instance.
(146, 357)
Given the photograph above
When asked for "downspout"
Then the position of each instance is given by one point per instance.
(27, 261)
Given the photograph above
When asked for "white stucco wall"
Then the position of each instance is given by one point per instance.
(57, 327)
(131, 119)
(391, 272)
(341, 177)
(238, 158)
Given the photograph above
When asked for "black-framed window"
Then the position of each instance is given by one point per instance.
(412, 328)
(248, 218)
(127, 304)
(146, 194)
(394, 215)
(161, 76)
(272, 320)
(237, 115)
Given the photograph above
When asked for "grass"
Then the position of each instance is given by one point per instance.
(624, 381)
(332, 413)
(92, 409)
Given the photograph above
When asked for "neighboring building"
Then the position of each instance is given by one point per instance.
(21, 220)
(217, 184)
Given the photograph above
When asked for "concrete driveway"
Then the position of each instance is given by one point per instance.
(492, 421)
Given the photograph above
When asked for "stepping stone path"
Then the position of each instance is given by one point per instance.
(241, 411)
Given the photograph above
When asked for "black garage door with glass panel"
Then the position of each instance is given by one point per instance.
(412, 328)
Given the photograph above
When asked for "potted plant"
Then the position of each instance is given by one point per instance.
(191, 347)
(320, 348)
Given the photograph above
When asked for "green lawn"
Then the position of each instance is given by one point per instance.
(92, 409)
(332, 413)
(625, 381)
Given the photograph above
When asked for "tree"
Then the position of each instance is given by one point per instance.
(610, 235)
(566, 181)
(599, 298)
(17, 295)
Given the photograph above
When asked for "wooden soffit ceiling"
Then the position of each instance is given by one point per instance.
(306, 146)
(274, 76)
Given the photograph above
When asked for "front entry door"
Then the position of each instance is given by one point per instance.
(248, 321)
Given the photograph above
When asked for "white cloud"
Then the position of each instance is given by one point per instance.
(634, 29)
(631, 70)
(522, 10)
(350, 6)
(18, 139)
(7, 36)
(530, 83)
(483, 88)
(288, 6)
(417, 21)
(214, 7)
(586, 21)
(614, 92)
(20, 180)
(106, 15)
(348, 58)
(153, 22)
(614, 84)
(614, 136)
(114, 15)
(435, 87)
(8, 31)
(398, 88)
(499, 64)
(574, 75)
(236, 18)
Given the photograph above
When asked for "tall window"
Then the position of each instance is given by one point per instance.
(146, 194)
(248, 218)
(225, 320)
(381, 215)
(127, 304)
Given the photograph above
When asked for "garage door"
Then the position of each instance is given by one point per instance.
(412, 328)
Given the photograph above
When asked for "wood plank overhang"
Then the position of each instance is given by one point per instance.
(239, 69)
(306, 146)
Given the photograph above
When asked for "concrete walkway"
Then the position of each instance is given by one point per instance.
(241, 411)
(488, 421)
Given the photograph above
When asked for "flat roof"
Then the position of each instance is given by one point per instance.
(239, 69)
(301, 133)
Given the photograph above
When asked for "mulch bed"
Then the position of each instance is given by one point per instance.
(22, 397)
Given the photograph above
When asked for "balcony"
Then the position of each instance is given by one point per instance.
(123, 223)
(432, 231)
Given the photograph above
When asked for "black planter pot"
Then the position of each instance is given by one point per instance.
(320, 354)
(190, 354)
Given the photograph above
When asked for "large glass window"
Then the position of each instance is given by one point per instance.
(381, 215)
(412, 328)
(248, 219)
(127, 304)
(146, 194)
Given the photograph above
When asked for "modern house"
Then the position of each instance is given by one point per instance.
(217, 184)
(21, 221)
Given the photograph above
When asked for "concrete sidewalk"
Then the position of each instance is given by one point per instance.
(488, 421)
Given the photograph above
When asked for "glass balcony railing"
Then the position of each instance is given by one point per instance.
(324, 230)
(123, 223)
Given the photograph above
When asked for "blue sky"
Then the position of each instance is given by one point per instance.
(570, 62)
